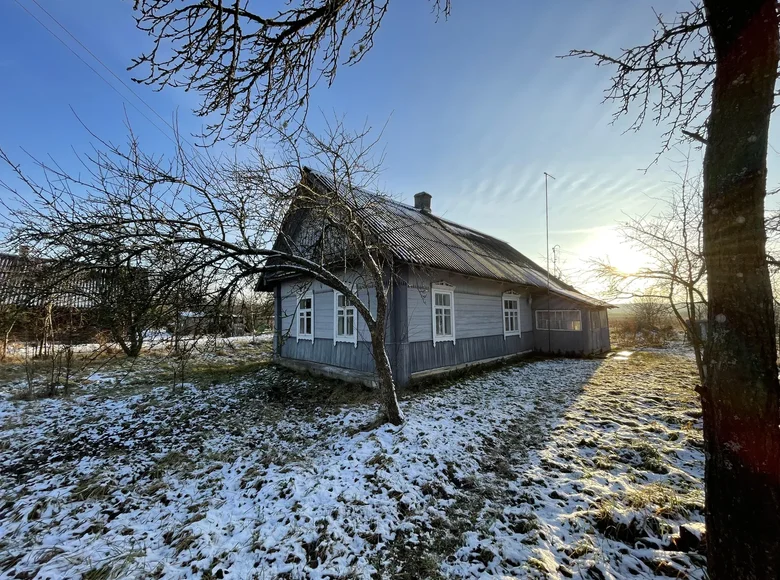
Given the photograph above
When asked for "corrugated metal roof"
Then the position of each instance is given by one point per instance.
(26, 281)
(421, 238)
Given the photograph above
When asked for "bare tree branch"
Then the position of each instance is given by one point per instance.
(253, 65)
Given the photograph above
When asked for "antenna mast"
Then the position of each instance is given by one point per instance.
(547, 235)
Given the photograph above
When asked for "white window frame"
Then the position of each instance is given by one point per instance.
(539, 327)
(352, 339)
(301, 312)
(515, 297)
(447, 289)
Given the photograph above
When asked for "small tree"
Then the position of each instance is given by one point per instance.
(650, 314)
(257, 311)
(221, 216)
(126, 305)
(675, 277)
(10, 316)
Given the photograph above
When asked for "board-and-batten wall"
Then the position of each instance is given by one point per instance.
(479, 322)
(323, 349)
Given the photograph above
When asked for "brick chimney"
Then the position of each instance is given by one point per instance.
(422, 201)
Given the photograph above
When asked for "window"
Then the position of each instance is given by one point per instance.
(306, 317)
(511, 314)
(345, 322)
(443, 317)
(567, 320)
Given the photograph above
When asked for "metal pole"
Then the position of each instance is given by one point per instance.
(547, 242)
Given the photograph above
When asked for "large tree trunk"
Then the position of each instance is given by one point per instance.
(741, 391)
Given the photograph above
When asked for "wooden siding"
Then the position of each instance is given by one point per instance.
(323, 349)
(323, 309)
(477, 315)
(398, 332)
(424, 356)
(478, 306)
(418, 312)
(478, 325)
(340, 354)
(526, 317)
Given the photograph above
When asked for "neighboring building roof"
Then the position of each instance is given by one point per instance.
(27, 281)
(420, 238)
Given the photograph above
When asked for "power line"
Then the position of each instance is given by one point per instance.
(77, 55)
(111, 72)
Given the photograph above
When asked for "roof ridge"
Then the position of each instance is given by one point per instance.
(499, 252)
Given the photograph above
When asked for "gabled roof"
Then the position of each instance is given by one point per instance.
(421, 238)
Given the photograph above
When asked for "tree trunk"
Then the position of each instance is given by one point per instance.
(390, 407)
(741, 391)
(6, 337)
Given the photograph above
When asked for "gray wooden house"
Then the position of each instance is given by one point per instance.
(458, 297)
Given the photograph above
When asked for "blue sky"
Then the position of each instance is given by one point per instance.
(477, 108)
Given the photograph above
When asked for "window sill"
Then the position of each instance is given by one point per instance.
(345, 340)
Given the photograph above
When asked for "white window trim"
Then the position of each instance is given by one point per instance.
(510, 296)
(298, 336)
(538, 327)
(442, 288)
(336, 338)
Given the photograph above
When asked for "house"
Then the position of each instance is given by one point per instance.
(39, 301)
(30, 282)
(457, 297)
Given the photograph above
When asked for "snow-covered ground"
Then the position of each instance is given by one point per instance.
(551, 469)
(155, 340)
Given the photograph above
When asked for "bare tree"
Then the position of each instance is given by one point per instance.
(10, 315)
(251, 63)
(130, 301)
(650, 314)
(257, 312)
(710, 73)
(222, 218)
(675, 275)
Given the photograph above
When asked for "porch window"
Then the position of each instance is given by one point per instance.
(443, 313)
(511, 314)
(345, 324)
(565, 320)
(306, 316)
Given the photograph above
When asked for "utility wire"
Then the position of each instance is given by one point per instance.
(111, 72)
(77, 55)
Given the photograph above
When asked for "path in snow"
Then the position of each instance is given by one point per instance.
(602, 498)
